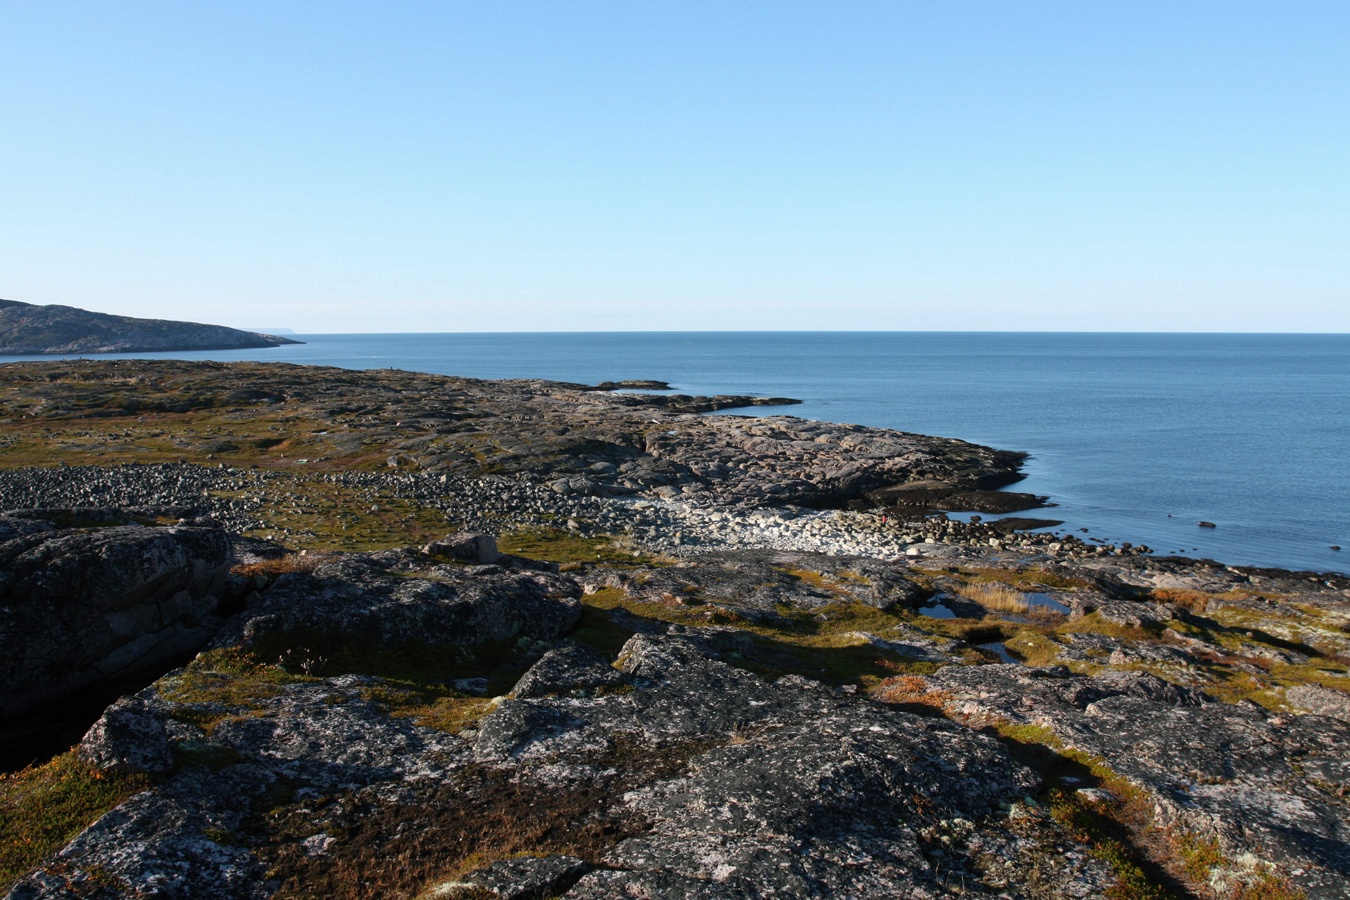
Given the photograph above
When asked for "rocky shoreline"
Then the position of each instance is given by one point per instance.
(527, 639)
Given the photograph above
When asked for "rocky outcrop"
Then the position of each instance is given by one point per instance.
(466, 547)
(918, 497)
(805, 791)
(28, 329)
(78, 606)
(577, 441)
(392, 599)
(785, 788)
(760, 585)
(1267, 787)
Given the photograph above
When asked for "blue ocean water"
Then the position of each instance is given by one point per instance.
(1135, 437)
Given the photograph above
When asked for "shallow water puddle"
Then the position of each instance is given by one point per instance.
(1048, 602)
(999, 650)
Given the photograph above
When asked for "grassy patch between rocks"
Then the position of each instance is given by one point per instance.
(222, 683)
(826, 645)
(561, 546)
(44, 807)
(442, 709)
(416, 679)
(327, 654)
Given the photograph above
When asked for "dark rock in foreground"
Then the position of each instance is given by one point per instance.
(382, 600)
(83, 606)
(785, 788)
(28, 329)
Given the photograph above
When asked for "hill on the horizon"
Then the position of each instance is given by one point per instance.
(27, 329)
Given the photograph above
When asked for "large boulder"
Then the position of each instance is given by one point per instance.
(80, 606)
(393, 599)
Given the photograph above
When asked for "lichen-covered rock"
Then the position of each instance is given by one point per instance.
(523, 878)
(130, 737)
(699, 779)
(1322, 701)
(806, 791)
(567, 670)
(78, 606)
(173, 841)
(827, 806)
(1229, 771)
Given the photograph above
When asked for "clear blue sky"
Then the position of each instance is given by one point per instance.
(506, 166)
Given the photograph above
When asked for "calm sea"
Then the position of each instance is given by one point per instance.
(1136, 437)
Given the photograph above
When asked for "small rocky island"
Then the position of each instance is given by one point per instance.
(26, 329)
(383, 634)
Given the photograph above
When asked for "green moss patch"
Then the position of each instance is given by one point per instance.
(821, 644)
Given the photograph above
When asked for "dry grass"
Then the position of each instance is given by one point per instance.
(1034, 648)
(818, 580)
(995, 596)
(1192, 600)
(1025, 578)
(275, 568)
(911, 691)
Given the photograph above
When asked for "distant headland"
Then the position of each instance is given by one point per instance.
(29, 329)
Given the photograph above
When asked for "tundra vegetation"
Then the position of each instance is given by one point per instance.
(1146, 700)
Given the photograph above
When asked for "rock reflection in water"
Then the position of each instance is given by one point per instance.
(999, 650)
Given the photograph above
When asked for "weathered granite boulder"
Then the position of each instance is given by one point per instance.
(467, 547)
(1322, 701)
(130, 737)
(78, 606)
